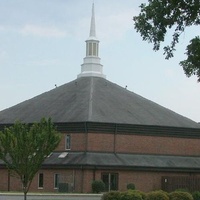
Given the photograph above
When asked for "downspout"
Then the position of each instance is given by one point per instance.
(74, 174)
(8, 180)
(115, 135)
(86, 137)
(82, 178)
(94, 173)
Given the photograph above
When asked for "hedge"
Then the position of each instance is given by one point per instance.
(179, 195)
(128, 195)
(196, 195)
(157, 195)
(154, 195)
(113, 195)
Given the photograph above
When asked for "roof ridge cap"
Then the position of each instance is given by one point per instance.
(90, 110)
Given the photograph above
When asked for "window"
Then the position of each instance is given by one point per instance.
(110, 180)
(40, 180)
(56, 181)
(68, 142)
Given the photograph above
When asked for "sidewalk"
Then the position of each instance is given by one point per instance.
(49, 196)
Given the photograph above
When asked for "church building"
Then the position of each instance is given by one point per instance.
(108, 133)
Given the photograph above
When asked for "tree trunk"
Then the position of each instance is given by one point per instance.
(25, 195)
(25, 190)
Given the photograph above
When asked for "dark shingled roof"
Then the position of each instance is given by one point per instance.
(93, 99)
(120, 160)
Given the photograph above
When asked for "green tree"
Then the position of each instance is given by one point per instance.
(156, 19)
(24, 147)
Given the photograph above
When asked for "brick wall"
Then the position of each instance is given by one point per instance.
(66, 176)
(88, 178)
(107, 142)
(81, 179)
(143, 144)
(3, 179)
(130, 143)
(78, 141)
(100, 142)
(144, 180)
(157, 145)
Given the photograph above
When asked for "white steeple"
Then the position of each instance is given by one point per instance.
(92, 25)
(91, 63)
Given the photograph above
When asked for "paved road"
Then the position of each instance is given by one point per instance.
(50, 197)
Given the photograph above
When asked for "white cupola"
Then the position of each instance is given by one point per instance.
(91, 63)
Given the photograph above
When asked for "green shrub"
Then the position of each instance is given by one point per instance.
(98, 186)
(130, 186)
(196, 195)
(130, 195)
(113, 195)
(142, 194)
(157, 195)
(182, 190)
(162, 191)
(179, 195)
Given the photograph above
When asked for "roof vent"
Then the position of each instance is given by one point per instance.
(63, 155)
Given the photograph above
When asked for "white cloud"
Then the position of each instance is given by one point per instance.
(42, 31)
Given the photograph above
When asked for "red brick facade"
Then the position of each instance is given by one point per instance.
(130, 143)
(79, 180)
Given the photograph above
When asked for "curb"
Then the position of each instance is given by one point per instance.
(49, 194)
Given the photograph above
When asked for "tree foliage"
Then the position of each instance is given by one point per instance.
(155, 20)
(24, 147)
(191, 65)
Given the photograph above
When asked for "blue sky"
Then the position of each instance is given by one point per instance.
(42, 43)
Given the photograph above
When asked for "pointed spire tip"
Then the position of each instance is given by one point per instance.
(92, 25)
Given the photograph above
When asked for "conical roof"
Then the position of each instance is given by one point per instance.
(94, 99)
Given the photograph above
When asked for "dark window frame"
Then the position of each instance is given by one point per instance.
(68, 142)
(112, 182)
(56, 180)
(40, 180)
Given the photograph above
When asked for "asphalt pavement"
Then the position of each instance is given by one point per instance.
(8, 196)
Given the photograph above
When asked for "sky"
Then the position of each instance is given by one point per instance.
(42, 44)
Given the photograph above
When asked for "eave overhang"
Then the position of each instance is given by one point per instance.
(121, 161)
(112, 128)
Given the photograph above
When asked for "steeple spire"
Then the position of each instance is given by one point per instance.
(91, 63)
(92, 25)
